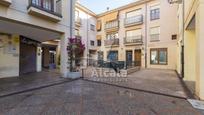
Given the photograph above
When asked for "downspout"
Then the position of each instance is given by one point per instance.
(87, 42)
(146, 35)
(183, 35)
(71, 16)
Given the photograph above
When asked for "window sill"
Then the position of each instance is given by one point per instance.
(154, 40)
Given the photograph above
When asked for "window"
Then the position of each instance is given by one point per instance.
(98, 26)
(110, 36)
(133, 13)
(76, 14)
(154, 34)
(112, 24)
(174, 37)
(77, 32)
(48, 4)
(155, 12)
(158, 56)
(133, 33)
(92, 27)
(92, 43)
(98, 42)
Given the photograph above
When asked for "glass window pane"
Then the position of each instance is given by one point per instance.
(154, 57)
(162, 57)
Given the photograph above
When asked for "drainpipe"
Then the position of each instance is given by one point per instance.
(71, 15)
(87, 42)
(182, 44)
(146, 35)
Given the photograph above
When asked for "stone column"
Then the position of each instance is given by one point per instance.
(39, 59)
(64, 55)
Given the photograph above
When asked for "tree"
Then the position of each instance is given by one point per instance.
(75, 50)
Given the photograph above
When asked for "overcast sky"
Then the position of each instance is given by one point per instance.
(99, 6)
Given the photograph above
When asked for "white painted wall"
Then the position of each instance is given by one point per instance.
(85, 31)
(9, 61)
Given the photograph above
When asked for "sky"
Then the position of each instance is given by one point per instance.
(99, 6)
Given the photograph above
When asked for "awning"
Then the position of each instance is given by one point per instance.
(98, 37)
(111, 16)
(98, 26)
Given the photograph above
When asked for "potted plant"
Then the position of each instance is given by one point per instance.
(75, 51)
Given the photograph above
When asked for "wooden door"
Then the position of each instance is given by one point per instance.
(138, 57)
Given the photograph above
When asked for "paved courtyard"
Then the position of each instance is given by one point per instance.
(146, 92)
(29, 81)
(150, 80)
(88, 98)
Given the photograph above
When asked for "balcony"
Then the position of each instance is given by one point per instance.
(49, 10)
(133, 40)
(111, 42)
(154, 37)
(132, 21)
(6, 2)
(112, 26)
(78, 22)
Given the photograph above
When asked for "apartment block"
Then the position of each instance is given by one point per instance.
(29, 30)
(143, 33)
(85, 28)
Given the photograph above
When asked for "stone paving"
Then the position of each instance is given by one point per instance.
(29, 81)
(89, 98)
(154, 80)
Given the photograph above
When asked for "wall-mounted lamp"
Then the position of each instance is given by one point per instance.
(175, 1)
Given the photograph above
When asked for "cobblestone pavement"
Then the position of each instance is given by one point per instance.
(154, 80)
(89, 98)
(29, 81)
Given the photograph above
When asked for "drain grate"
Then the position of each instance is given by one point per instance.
(196, 104)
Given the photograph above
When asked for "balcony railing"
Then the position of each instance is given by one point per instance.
(154, 37)
(50, 7)
(112, 25)
(133, 40)
(136, 20)
(111, 42)
(5, 2)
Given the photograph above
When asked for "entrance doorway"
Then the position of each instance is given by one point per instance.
(49, 57)
(28, 59)
(138, 57)
(112, 56)
(129, 58)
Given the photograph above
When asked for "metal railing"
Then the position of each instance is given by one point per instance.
(114, 64)
(112, 24)
(112, 42)
(135, 20)
(133, 39)
(51, 7)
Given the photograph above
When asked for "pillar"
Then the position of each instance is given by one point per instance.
(39, 59)
(64, 55)
(199, 49)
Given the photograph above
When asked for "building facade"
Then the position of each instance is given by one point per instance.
(25, 25)
(85, 28)
(190, 62)
(139, 33)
